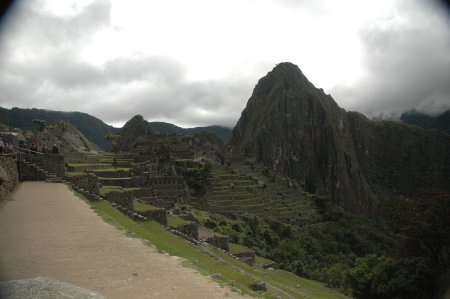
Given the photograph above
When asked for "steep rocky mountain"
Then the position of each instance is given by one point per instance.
(64, 135)
(440, 122)
(163, 127)
(93, 128)
(298, 130)
(135, 131)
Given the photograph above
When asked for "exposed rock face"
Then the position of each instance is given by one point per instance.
(295, 128)
(64, 135)
(134, 133)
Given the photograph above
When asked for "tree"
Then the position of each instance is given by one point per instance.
(41, 123)
(382, 277)
(116, 141)
(424, 223)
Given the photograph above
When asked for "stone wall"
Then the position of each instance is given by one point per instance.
(159, 215)
(88, 182)
(30, 172)
(9, 176)
(133, 182)
(219, 241)
(124, 199)
(247, 257)
(159, 202)
(167, 182)
(190, 229)
(49, 162)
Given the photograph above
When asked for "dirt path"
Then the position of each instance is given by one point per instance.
(47, 231)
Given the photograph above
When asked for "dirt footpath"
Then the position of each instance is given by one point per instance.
(49, 232)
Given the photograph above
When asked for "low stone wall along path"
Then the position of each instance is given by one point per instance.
(46, 231)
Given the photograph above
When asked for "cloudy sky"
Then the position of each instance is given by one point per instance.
(196, 62)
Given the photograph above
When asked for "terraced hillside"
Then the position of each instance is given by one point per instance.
(245, 188)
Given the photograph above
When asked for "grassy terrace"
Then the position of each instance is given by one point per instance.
(89, 164)
(260, 261)
(236, 248)
(283, 282)
(111, 169)
(175, 221)
(141, 207)
(106, 189)
(74, 173)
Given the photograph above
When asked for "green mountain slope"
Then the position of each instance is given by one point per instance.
(93, 128)
(163, 127)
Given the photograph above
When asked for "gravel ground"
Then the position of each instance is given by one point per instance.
(46, 231)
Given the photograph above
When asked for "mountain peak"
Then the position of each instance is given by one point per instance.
(296, 129)
(136, 127)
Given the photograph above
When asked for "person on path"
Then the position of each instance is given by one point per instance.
(1, 146)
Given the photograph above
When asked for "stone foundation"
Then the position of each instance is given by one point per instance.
(49, 162)
(246, 257)
(9, 176)
(159, 215)
(86, 182)
(219, 241)
(189, 229)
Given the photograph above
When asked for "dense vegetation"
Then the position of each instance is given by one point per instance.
(356, 255)
(197, 179)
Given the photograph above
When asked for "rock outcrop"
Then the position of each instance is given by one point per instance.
(298, 130)
(135, 132)
(64, 135)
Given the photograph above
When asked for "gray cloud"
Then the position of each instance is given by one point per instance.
(54, 76)
(406, 66)
(41, 66)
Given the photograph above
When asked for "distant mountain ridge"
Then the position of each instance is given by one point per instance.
(223, 133)
(440, 122)
(93, 128)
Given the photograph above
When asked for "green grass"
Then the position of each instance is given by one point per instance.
(74, 173)
(295, 286)
(141, 207)
(110, 169)
(175, 221)
(200, 215)
(106, 189)
(260, 261)
(236, 248)
(88, 164)
(131, 188)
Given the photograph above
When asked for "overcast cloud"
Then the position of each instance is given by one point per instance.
(197, 64)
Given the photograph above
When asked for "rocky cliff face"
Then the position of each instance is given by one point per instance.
(135, 132)
(295, 128)
(64, 135)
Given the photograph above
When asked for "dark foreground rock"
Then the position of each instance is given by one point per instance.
(44, 288)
